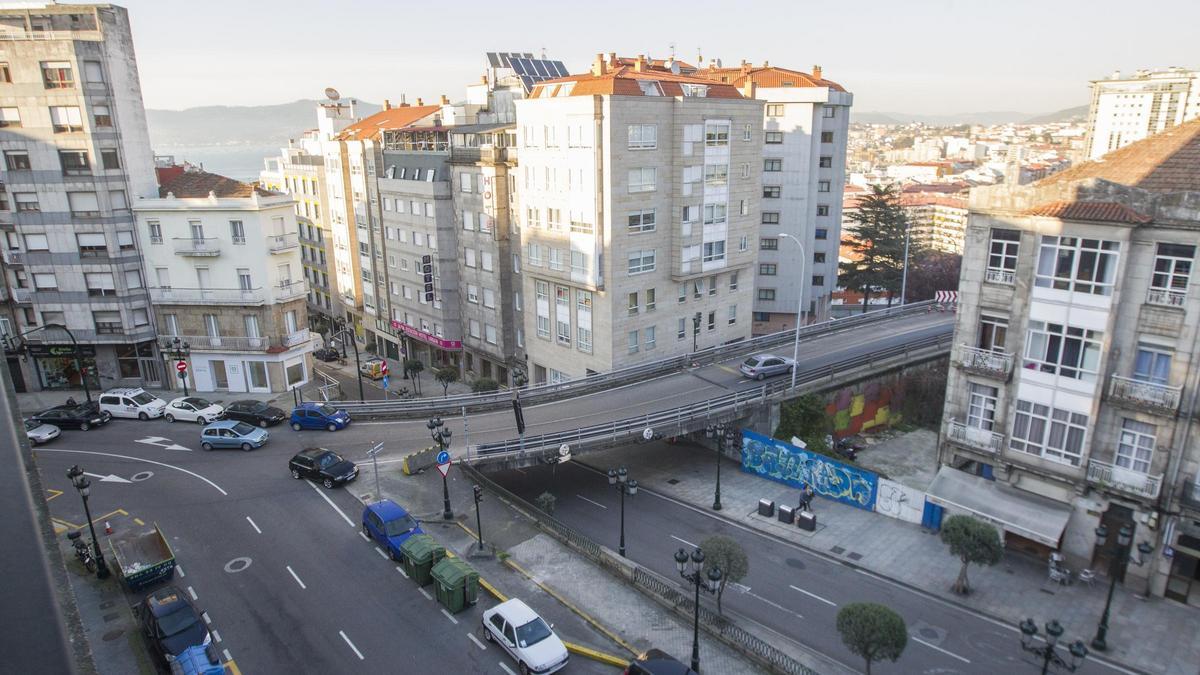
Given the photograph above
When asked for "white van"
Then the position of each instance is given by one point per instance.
(135, 403)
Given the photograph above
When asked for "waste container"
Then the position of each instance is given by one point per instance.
(807, 520)
(421, 552)
(456, 584)
(786, 514)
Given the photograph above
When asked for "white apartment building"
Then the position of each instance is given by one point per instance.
(639, 194)
(76, 155)
(1072, 400)
(805, 130)
(1127, 109)
(224, 268)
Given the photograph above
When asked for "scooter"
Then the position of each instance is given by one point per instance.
(82, 551)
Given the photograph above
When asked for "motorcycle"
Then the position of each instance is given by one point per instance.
(82, 551)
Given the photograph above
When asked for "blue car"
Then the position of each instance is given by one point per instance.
(319, 416)
(233, 434)
(389, 524)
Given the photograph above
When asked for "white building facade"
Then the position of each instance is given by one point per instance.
(1127, 109)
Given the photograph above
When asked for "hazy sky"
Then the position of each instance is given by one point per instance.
(914, 56)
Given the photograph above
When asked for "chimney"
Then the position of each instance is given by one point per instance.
(403, 101)
(745, 66)
(599, 66)
(816, 72)
(483, 79)
(445, 100)
(640, 64)
(612, 59)
(387, 105)
(749, 89)
(766, 64)
(420, 101)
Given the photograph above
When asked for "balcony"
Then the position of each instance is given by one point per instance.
(170, 295)
(197, 247)
(983, 440)
(290, 290)
(14, 257)
(227, 343)
(1155, 398)
(298, 338)
(22, 295)
(1131, 482)
(985, 362)
(281, 243)
(1165, 297)
(1000, 276)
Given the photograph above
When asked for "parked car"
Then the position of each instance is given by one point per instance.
(254, 412)
(319, 416)
(78, 416)
(525, 636)
(760, 366)
(172, 623)
(233, 434)
(373, 367)
(39, 433)
(194, 409)
(324, 466)
(389, 524)
(327, 354)
(133, 403)
(658, 662)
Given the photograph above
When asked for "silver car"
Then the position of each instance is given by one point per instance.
(39, 433)
(760, 366)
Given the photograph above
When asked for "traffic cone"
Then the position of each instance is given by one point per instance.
(107, 528)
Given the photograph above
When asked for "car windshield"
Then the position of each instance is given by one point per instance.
(258, 406)
(30, 425)
(532, 633)
(79, 411)
(751, 362)
(242, 429)
(328, 459)
(328, 411)
(400, 525)
(198, 403)
(143, 398)
(176, 622)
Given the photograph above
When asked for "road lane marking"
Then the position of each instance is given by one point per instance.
(685, 541)
(54, 493)
(253, 525)
(775, 605)
(296, 577)
(813, 595)
(425, 593)
(451, 617)
(401, 571)
(592, 502)
(179, 570)
(506, 669)
(139, 459)
(472, 638)
(216, 635)
(931, 646)
(207, 619)
(227, 656)
(381, 553)
(364, 535)
(192, 593)
(330, 502)
(356, 652)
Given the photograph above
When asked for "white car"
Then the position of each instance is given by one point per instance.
(525, 636)
(134, 403)
(39, 433)
(194, 409)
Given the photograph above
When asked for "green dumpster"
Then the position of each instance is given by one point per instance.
(420, 553)
(456, 584)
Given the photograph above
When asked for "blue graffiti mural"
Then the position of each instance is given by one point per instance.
(794, 466)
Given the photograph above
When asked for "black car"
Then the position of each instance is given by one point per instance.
(327, 354)
(254, 412)
(79, 416)
(324, 466)
(172, 623)
(657, 662)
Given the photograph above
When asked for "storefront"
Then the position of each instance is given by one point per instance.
(56, 366)
(430, 349)
(1183, 581)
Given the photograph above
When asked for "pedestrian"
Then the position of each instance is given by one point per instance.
(806, 497)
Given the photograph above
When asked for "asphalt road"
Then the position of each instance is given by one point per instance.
(788, 588)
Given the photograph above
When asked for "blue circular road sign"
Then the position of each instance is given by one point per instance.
(443, 457)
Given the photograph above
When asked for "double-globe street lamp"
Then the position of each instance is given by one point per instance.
(691, 568)
(619, 480)
(799, 306)
(723, 433)
(84, 486)
(441, 435)
(1124, 538)
(1048, 652)
(179, 350)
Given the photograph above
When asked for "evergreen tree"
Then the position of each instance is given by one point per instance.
(877, 241)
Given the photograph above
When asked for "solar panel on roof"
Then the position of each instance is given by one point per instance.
(493, 59)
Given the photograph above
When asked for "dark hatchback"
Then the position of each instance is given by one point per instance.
(172, 623)
(658, 662)
(81, 416)
(324, 466)
(254, 412)
(327, 354)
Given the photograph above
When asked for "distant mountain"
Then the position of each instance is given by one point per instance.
(872, 118)
(989, 117)
(235, 125)
(1077, 114)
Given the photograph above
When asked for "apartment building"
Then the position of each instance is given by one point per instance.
(805, 129)
(1072, 400)
(639, 199)
(224, 267)
(1124, 110)
(76, 156)
(936, 221)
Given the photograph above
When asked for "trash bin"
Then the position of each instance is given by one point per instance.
(807, 520)
(766, 507)
(421, 552)
(786, 513)
(456, 584)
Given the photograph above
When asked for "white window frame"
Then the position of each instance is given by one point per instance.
(643, 136)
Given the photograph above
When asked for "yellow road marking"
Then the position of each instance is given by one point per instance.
(97, 519)
(231, 667)
(493, 590)
(54, 494)
(595, 655)
(139, 521)
(727, 369)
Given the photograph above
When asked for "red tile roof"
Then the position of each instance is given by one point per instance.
(198, 184)
(622, 80)
(767, 76)
(1100, 212)
(1165, 162)
(395, 118)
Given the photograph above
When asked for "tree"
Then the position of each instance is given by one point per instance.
(414, 367)
(972, 541)
(545, 502)
(484, 384)
(725, 553)
(872, 631)
(446, 377)
(804, 417)
(932, 271)
(876, 241)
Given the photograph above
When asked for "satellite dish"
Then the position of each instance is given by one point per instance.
(648, 434)
(332, 94)
(674, 67)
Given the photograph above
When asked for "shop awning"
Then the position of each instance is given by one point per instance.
(1021, 513)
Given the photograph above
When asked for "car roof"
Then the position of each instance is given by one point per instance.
(310, 405)
(312, 452)
(516, 612)
(165, 600)
(224, 424)
(388, 510)
(764, 356)
(124, 391)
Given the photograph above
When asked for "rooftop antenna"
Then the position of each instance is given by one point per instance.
(543, 53)
(699, 57)
(672, 46)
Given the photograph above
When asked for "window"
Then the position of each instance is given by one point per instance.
(771, 191)
(712, 321)
(1172, 271)
(716, 133)
(108, 323)
(714, 250)
(102, 116)
(767, 269)
(556, 259)
(1049, 432)
(681, 328)
(1135, 448)
(583, 310)
(1152, 364)
(125, 240)
(773, 137)
(485, 261)
(562, 314)
(774, 110)
(641, 221)
(818, 280)
(826, 136)
(732, 315)
(1063, 350)
(733, 281)
(819, 257)
(92, 72)
(748, 132)
(245, 282)
(981, 406)
(648, 336)
(65, 119)
(91, 244)
(133, 279)
(472, 293)
(119, 200)
(465, 183)
(772, 165)
(46, 281)
(74, 162)
(820, 233)
(100, 283)
(469, 257)
(714, 214)
(823, 186)
(83, 204)
(1078, 265)
(57, 75)
(822, 209)
(26, 201)
(472, 328)
(1002, 256)
(5, 74)
(643, 180)
(17, 160)
(770, 217)
(825, 162)
(993, 333)
(11, 117)
(633, 341)
(154, 229)
(37, 242)
(489, 333)
(643, 136)
(642, 261)
(110, 159)
(489, 298)
(716, 174)
(766, 294)
(768, 244)
(827, 112)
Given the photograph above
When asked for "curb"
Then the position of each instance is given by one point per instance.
(595, 655)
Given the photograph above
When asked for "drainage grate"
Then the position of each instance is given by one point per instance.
(673, 481)
(854, 556)
(838, 550)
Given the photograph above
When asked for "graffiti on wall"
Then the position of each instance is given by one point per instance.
(899, 501)
(788, 464)
(872, 405)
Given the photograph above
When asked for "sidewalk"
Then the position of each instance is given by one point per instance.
(347, 377)
(1144, 634)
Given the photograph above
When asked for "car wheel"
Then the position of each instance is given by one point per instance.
(524, 669)
(760, 377)
(170, 417)
(246, 447)
(143, 416)
(84, 426)
(201, 420)
(332, 427)
(487, 635)
(365, 531)
(262, 423)
(206, 446)
(295, 474)
(296, 426)
(328, 483)
(33, 442)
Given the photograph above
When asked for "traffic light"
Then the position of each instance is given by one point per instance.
(427, 270)
(478, 493)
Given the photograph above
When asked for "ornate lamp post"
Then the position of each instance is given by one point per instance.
(1047, 652)
(691, 568)
(84, 486)
(724, 434)
(179, 351)
(619, 480)
(441, 436)
(1124, 538)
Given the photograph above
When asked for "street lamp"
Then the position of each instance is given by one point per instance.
(619, 480)
(345, 335)
(1047, 652)
(179, 350)
(799, 306)
(84, 486)
(441, 435)
(478, 521)
(1124, 538)
(696, 332)
(691, 568)
(904, 275)
(723, 433)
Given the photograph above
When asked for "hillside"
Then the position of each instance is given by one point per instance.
(1077, 114)
(221, 125)
(986, 118)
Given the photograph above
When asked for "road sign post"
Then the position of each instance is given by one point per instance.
(443, 467)
(181, 369)
(373, 452)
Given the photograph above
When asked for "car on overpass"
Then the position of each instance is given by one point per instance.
(324, 466)
(388, 523)
(761, 366)
(525, 636)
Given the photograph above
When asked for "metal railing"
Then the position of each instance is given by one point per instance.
(547, 392)
(999, 276)
(279, 243)
(206, 296)
(14, 257)
(1147, 394)
(22, 295)
(290, 289)
(1166, 297)
(985, 361)
(974, 437)
(298, 337)
(197, 246)
(1125, 480)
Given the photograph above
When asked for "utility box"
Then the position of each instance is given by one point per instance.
(420, 553)
(807, 520)
(456, 584)
(766, 507)
(786, 514)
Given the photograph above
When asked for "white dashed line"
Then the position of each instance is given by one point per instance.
(472, 638)
(192, 593)
(228, 657)
(207, 620)
(685, 541)
(506, 669)
(592, 502)
(330, 502)
(179, 570)
(425, 593)
(381, 553)
(253, 525)
(451, 617)
(364, 535)
(401, 571)
(917, 639)
(216, 635)
(296, 577)
(356, 652)
(813, 595)
(774, 604)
